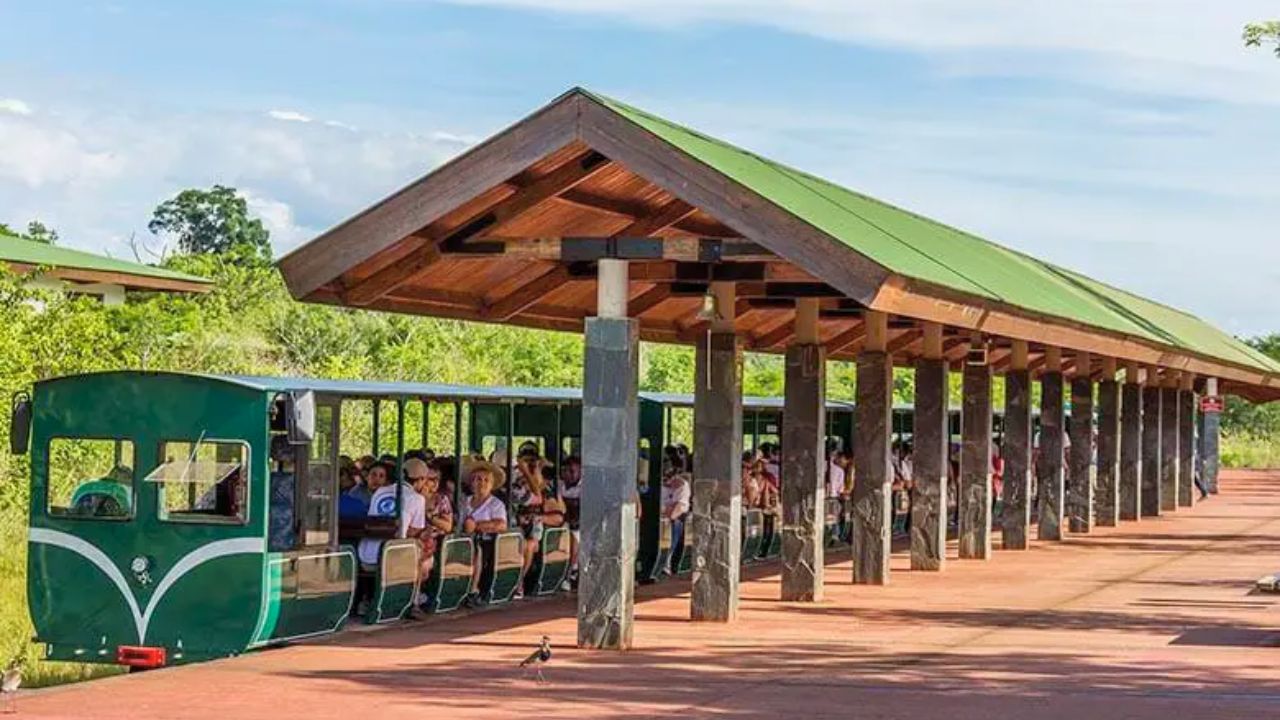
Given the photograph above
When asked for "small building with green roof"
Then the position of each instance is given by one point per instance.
(76, 271)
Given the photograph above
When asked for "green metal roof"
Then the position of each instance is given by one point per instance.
(28, 252)
(922, 249)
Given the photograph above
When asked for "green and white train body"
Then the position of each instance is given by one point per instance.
(154, 539)
(145, 585)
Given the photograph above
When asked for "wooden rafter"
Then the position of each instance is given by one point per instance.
(527, 294)
(904, 340)
(419, 261)
(775, 336)
(664, 217)
(648, 300)
(846, 339)
(634, 211)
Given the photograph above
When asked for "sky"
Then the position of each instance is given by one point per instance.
(1133, 140)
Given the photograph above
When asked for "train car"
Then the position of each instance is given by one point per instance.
(178, 517)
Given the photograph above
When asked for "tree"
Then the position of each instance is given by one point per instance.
(41, 233)
(214, 221)
(36, 230)
(1263, 33)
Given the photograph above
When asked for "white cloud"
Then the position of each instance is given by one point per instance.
(278, 217)
(1184, 48)
(289, 116)
(454, 138)
(14, 106)
(96, 175)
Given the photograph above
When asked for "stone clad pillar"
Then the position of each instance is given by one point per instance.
(1049, 470)
(1131, 444)
(1210, 425)
(1080, 465)
(930, 445)
(1152, 437)
(1016, 515)
(610, 442)
(975, 458)
(1169, 453)
(872, 519)
(717, 468)
(804, 459)
(1186, 441)
(1106, 501)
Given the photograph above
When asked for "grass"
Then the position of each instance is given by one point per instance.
(15, 623)
(1250, 451)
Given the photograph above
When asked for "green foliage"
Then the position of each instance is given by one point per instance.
(214, 221)
(1263, 33)
(1250, 450)
(36, 231)
(41, 233)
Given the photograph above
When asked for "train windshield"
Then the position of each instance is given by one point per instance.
(202, 480)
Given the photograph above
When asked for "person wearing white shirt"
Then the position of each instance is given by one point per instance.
(483, 514)
(413, 509)
(676, 497)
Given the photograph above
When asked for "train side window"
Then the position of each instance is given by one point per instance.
(90, 478)
(202, 481)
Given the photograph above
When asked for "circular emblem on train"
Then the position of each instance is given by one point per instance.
(386, 505)
(140, 566)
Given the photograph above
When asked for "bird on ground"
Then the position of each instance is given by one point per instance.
(538, 658)
(11, 681)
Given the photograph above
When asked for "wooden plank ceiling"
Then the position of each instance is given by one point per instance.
(504, 256)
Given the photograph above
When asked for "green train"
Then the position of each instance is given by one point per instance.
(153, 540)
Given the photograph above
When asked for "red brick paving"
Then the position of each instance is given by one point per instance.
(1150, 620)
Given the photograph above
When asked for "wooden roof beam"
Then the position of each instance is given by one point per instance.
(527, 295)
(417, 262)
(846, 339)
(565, 177)
(634, 211)
(904, 339)
(775, 336)
(648, 300)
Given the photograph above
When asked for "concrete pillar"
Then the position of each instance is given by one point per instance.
(929, 457)
(716, 518)
(1016, 451)
(804, 459)
(975, 460)
(1080, 465)
(1106, 500)
(872, 518)
(1169, 453)
(1131, 444)
(610, 441)
(1186, 442)
(1152, 436)
(1210, 425)
(1049, 470)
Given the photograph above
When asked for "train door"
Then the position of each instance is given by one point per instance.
(314, 578)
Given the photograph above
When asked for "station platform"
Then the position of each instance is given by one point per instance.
(1153, 619)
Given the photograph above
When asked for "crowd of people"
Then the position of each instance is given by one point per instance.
(541, 496)
(487, 505)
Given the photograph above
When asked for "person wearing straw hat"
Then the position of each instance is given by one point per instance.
(484, 515)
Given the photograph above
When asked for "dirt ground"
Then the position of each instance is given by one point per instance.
(1154, 619)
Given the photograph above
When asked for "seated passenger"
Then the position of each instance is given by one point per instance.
(439, 514)
(351, 503)
(570, 491)
(535, 509)
(413, 509)
(484, 515)
(376, 477)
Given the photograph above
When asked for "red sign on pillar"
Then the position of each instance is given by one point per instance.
(1211, 404)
